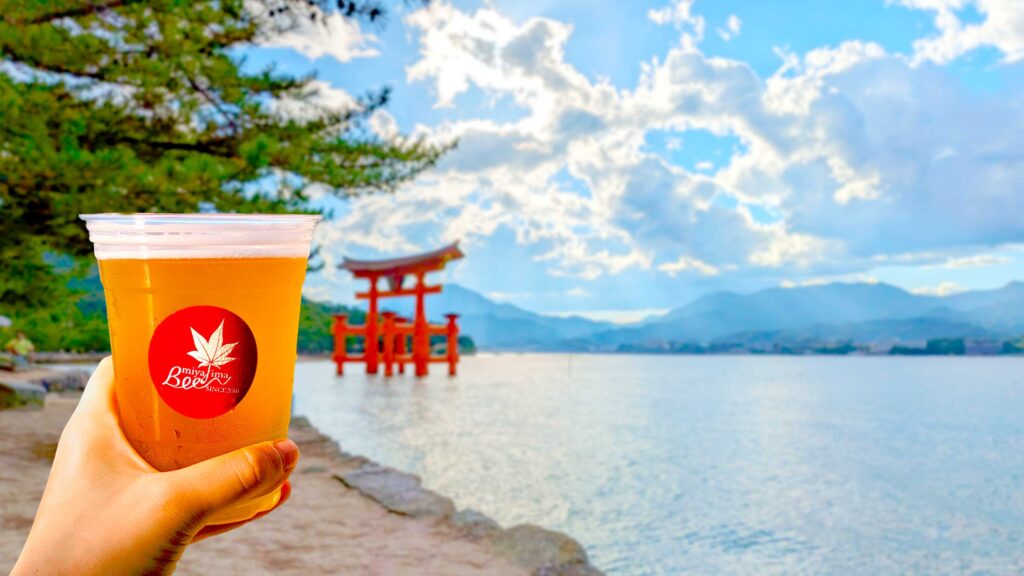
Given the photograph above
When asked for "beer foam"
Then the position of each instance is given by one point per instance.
(167, 236)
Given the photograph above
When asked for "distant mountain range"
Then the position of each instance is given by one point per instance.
(861, 314)
(497, 325)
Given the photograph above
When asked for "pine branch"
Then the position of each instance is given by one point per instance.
(79, 11)
(217, 105)
(220, 148)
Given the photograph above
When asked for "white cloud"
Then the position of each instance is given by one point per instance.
(804, 283)
(839, 146)
(506, 296)
(784, 248)
(679, 13)
(978, 261)
(1002, 28)
(826, 280)
(688, 263)
(799, 83)
(881, 123)
(939, 260)
(942, 289)
(320, 97)
(854, 186)
(732, 28)
(734, 24)
(577, 292)
(319, 293)
(383, 124)
(331, 35)
(676, 13)
(490, 51)
(502, 296)
(630, 316)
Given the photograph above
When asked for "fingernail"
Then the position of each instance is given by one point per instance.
(289, 452)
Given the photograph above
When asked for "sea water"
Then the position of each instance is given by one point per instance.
(713, 464)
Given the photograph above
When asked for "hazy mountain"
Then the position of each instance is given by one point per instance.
(1001, 310)
(861, 313)
(1010, 295)
(872, 331)
(499, 325)
(723, 314)
(791, 307)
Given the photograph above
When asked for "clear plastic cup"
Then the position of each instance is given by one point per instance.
(203, 313)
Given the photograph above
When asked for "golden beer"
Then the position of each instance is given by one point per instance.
(203, 333)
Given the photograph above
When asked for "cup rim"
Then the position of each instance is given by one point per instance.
(158, 218)
(212, 235)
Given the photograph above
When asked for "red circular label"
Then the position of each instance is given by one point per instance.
(202, 360)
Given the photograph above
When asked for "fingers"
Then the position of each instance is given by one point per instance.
(98, 397)
(215, 529)
(95, 426)
(250, 472)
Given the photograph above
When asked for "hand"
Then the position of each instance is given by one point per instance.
(105, 510)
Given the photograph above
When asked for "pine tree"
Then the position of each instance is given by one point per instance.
(139, 106)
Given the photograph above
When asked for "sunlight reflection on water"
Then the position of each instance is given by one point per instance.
(713, 465)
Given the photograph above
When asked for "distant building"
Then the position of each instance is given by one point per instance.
(909, 348)
(982, 347)
(879, 347)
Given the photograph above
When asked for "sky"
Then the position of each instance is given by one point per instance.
(618, 159)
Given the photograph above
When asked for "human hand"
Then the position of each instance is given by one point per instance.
(105, 510)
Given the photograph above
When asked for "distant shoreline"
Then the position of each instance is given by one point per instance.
(93, 357)
(738, 354)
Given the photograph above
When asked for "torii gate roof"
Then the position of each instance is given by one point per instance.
(425, 262)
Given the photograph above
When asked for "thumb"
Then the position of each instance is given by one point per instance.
(234, 477)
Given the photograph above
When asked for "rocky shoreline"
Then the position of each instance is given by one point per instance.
(348, 514)
(539, 550)
(28, 389)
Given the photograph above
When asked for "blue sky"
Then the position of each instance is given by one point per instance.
(621, 158)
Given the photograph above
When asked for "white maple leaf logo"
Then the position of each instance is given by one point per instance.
(212, 353)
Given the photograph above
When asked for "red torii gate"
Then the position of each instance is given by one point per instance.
(385, 342)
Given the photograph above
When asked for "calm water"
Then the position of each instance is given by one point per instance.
(714, 465)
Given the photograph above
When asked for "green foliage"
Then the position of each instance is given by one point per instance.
(316, 325)
(837, 350)
(466, 345)
(936, 347)
(1013, 347)
(63, 327)
(132, 106)
(946, 347)
(74, 317)
(907, 351)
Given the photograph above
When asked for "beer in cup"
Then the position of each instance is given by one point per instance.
(203, 312)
